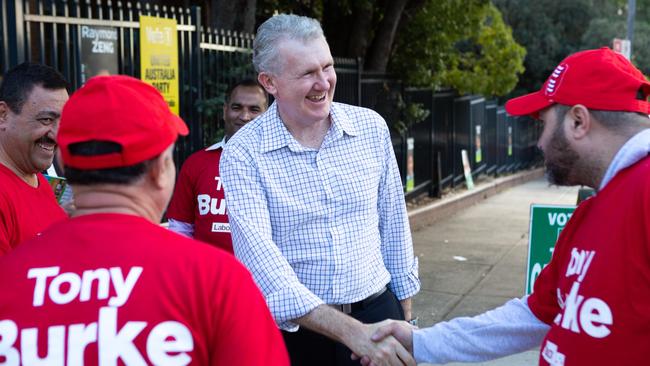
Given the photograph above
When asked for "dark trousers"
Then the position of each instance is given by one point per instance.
(307, 348)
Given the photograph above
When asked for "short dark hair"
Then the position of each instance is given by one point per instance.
(614, 121)
(248, 83)
(122, 175)
(18, 82)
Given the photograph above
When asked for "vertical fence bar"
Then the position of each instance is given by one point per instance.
(55, 38)
(99, 10)
(66, 40)
(359, 77)
(195, 77)
(28, 33)
(14, 24)
(4, 44)
(123, 60)
(134, 44)
(81, 11)
(41, 32)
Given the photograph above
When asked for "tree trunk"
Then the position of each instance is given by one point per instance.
(359, 36)
(382, 44)
(336, 25)
(410, 10)
(222, 14)
(248, 8)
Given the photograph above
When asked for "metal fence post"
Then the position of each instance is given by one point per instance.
(196, 86)
(15, 31)
(359, 76)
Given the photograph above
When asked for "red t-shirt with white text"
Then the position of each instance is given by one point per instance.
(116, 289)
(199, 199)
(25, 211)
(595, 292)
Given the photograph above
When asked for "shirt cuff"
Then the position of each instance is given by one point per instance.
(290, 303)
(406, 285)
(181, 227)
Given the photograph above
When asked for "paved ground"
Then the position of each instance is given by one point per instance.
(475, 259)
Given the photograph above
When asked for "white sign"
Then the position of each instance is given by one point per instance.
(622, 46)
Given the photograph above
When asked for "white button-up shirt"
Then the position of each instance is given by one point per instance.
(316, 226)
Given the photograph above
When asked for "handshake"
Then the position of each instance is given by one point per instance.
(389, 342)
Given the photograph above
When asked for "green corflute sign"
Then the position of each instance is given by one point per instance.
(546, 223)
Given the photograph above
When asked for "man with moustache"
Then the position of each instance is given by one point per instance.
(198, 206)
(590, 304)
(316, 205)
(31, 99)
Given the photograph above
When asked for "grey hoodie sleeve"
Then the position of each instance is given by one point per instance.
(509, 329)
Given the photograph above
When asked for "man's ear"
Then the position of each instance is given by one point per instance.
(4, 111)
(580, 121)
(156, 173)
(266, 80)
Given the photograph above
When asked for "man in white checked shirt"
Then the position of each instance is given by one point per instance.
(316, 206)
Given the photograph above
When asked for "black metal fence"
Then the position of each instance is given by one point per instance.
(48, 31)
(495, 142)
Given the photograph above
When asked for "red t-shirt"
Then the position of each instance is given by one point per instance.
(199, 199)
(25, 211)
(116, 287)
(595, 293)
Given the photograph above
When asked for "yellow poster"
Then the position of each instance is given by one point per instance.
(159, 57)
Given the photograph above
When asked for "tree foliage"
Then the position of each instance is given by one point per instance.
(602, 30)
(462, 44)
(551, 30)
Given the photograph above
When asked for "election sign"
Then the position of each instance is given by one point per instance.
(98, 51)
(410, 175)
(546, 223)
(159, 57)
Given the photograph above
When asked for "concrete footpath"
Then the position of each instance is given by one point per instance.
(475, 259)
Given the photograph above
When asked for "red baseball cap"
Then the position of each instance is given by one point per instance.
(598, 79)
(122, 110)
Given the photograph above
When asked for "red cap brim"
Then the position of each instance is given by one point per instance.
(529, 104)
(180, 125)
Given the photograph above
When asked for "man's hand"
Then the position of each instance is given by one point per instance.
(384, 351)
(356, 336)
(401, 330)
(390, 330)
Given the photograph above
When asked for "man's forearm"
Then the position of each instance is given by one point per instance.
(331, 323)
(406, 306)
(508, 329)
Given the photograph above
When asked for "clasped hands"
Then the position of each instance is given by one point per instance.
(389, 342)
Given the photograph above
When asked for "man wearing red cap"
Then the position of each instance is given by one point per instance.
(591, 304)
(110, 285)
(31, 98)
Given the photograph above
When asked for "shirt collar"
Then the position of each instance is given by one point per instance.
(632, 151)
(218, 145)
(341, 121)
(275, 134)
